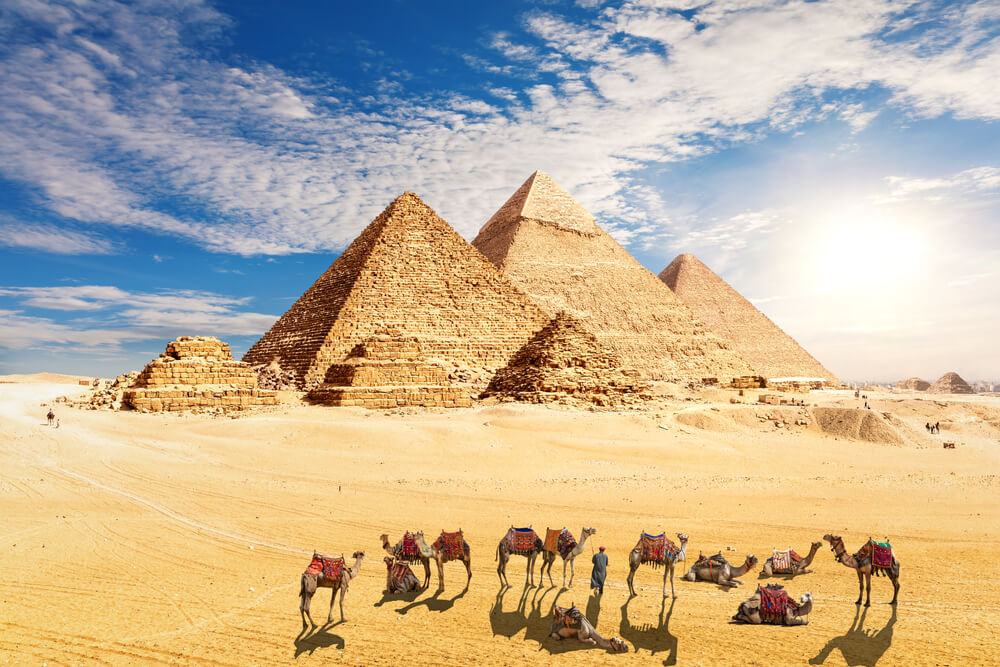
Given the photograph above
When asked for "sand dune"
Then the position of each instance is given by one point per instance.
(144, 539)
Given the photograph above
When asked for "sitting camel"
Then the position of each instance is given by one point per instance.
(324, 572)
(549, 557)
(657, 551)
(795, 564)
(399, 578)
(716, 568)
(510, 546)
(571, 622)
(862, 563)
(771, 605)
(448, 547)
(408, 550)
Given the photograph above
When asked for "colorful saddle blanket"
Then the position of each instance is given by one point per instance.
(331, 568)
(400, 571)
(715, 560)
(520, 540)
(656, 547)
(881, 554)
(774, 601)
(784, 560)
(559, 541)
(451, 545)
(412, 547)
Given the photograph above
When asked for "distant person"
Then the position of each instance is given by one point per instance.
(600, 572)
(51, 417)
(937, 427)
(927, 426)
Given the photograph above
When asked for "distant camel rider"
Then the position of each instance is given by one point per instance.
(51, 417)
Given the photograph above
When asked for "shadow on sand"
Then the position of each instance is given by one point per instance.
(313, 638)
(433, 603)
(533, 614)
(398, 597)
(858, 646)
(653, 638)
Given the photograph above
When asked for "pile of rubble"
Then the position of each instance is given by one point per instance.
(271, 376)
(107, 395)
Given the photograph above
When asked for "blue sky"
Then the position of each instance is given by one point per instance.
(171, 168)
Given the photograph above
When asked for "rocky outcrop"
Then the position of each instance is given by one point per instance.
(913, 384)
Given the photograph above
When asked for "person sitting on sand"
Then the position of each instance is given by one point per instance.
(51, 417)
(600, 572)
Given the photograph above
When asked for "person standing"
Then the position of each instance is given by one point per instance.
(600, 571)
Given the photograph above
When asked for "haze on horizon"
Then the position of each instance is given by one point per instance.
(190, 168)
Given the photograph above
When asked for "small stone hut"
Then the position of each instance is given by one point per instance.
(389, 371)
(196, 373)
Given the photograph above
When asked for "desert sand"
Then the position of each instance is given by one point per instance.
(144, 539)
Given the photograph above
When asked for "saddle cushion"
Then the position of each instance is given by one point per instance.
(331, 568)
(774, 601)
(656, 547)
(412, 547)
(566, 543)
(520, 540)
(881, 554)
(784, 560)
(552, 540)
(451, 545)
(400, 571)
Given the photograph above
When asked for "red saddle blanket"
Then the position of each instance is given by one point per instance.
(408, 547)
(656, 547)
(451, 545)
(400, 571)
(559, 541)
(774, 601)
(520, 540)
(881, 554)
(331, 568)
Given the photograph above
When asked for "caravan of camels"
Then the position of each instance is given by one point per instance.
(770, 604)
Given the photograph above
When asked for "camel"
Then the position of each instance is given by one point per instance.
(399, 578)
(571, 622)
(448, 547)
(716, 568)
(397, 553)
(861, 563)
(317, 576)
(549, 557)
(787, 611)
(667, 559)
(797, 567)
(506, 549)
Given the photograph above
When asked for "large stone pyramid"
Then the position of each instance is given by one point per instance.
(552, 248)
(565, 361)
(411, 272)
(772, 352)
(913, 384)
(950, 383)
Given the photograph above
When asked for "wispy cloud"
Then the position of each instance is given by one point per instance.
(111, 109)
(978, 181)
(51, 238)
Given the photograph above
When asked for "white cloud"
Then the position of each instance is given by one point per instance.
(50, 238)
(977, 181)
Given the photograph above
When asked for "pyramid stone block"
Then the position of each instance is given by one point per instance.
(771, 352)
(409, 271)
(552, 248)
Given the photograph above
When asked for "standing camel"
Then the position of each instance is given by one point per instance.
(324, 572)
(408, 550)
(716, 568)
(448, 547)
(658, 551)
(862, 563)
(795, 565)
(518, 542)
(549, 557)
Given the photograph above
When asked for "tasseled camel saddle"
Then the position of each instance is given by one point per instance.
(713, 561)
(655, 548)
(783, 562)
(412, 548)
(520, 541)
(559, 541)
(451, 545)
(879, 553)
(775, 601)
(331, 568)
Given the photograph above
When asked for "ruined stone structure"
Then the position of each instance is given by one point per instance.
(950, 383)
(196, 373)
(409, 270)
(768, 349)
(552, 248)
(389, 371)
(563, 362)
(749, 382)
(913, 384)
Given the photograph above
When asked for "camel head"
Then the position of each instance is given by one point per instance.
(815, 546)
(618, 645)
(834, 540)
(384, 538)
(589, 531)
(682, 537)
(358, 554)
(807, 597)
(751, 561)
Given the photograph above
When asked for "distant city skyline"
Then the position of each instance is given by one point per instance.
(191, 168)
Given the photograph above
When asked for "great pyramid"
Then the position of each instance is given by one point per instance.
(565, 361)
(950, 383)
(411, 272)
(913, 384)
(772, 352)
(552, 248)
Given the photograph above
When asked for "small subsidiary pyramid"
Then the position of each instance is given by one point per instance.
(411, 272)
(565, 361)
(913, 384)
(950, 383)
(551, 247)
(772, 352)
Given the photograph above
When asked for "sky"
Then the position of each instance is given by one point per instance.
(190, 168)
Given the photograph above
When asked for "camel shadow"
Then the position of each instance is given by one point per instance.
(311, 639)
(653, 638)
(859, 647)
(509, 623)
(434, 603)
(398, 597)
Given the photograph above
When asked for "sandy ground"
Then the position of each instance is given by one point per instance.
(140, 539)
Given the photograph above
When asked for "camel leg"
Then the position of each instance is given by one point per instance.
(468, 570)
(333, 598)
(427, 572)
(304, 610)
(529, 571)
(861, 587)
(666, 573)
(631, 576)
(895, 589)
(343, 591)
(868, 589)
(501, 568)
(672, 594)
